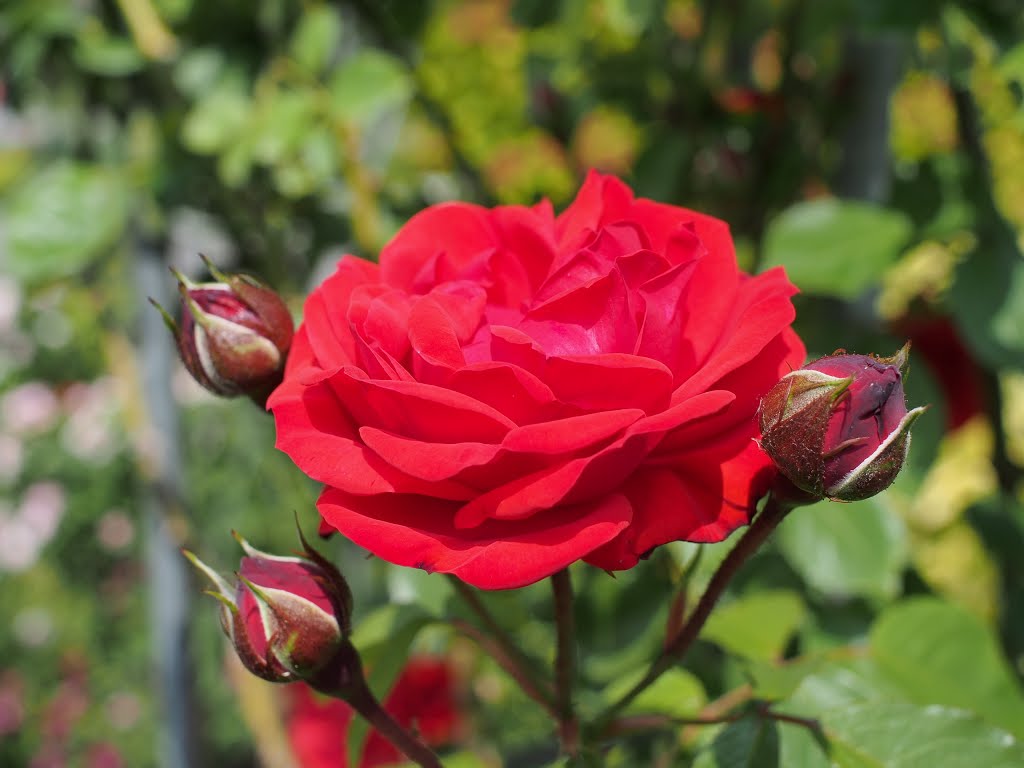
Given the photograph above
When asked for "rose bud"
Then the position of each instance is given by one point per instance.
(288, 617)
(839, 427)
(234, 335)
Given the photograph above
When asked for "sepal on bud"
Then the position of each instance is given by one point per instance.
(288, 618)
(839, 427)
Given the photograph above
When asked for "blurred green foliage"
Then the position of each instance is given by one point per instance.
(875, 149)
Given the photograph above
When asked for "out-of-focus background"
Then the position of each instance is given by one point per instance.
(875, 148)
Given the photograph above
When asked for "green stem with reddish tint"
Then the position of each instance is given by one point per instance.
(500, 645)
(565, 662)
(343, 679)
(773, 513)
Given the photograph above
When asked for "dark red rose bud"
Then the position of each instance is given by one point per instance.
(288, 617)
(234, 335)
(839, 427)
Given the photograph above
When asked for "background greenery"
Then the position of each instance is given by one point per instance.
(874, 148)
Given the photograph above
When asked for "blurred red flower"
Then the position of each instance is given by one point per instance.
(423, 699)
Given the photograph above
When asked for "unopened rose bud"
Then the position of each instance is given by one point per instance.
(839, 427)
(234, 334)
(287, 617)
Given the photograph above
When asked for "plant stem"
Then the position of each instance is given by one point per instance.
(361, 699)
(343, 679)
(501, 656)
(641, 723)
(565, 661)
(766, 522)
(519, 666)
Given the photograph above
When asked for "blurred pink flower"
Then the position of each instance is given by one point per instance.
(42, 507)
(104, 755)
(124, 710)
(92, 409)
(30, 408)
(19, 544)
(12, 710)
(115, 530)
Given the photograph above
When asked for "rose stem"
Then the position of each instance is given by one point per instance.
(773, 513)
(499, 653)
(359, 696)
(511, 652)
(565, 660)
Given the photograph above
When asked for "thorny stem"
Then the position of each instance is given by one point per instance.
(641, 723)
(344, 680)
(565, 661)
(365, 703)
(763, 525)
(509, 650)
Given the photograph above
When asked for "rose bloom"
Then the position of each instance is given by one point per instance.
(423, 699)
(508, 392)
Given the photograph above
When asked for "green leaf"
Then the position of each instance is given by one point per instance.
(316, 38)
(752, 742)
(835, 247)
(218, 118)
(896, 734)
(845, 550)
(677, 693)
(413, 586)
(107, 55)
(757, 625)
(196, 69)
(987, 298)
(367, 85)
(773, 681)
(838, 685)
(383, 639)
(799, 746)
(937, 653)
(61, 219)
(284, 118)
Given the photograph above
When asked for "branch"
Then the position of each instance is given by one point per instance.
(565, 661)
(766, 522)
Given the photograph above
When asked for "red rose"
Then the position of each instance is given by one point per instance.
(423, 699)
(509, 391)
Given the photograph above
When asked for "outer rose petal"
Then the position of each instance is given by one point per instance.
(418, 532)
(326, 323)
(694, 505)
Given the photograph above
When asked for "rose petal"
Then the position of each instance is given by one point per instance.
(418, 410)
(763, 309)
(595, 318)
(601, 200)
(427, 460)
(474, 241)
(585, 477)
(418, 532)
(435, 343)
(602, 382)
(508, 389)
(292, 576)
(380, 314)
(323, 443)
(324, 316)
